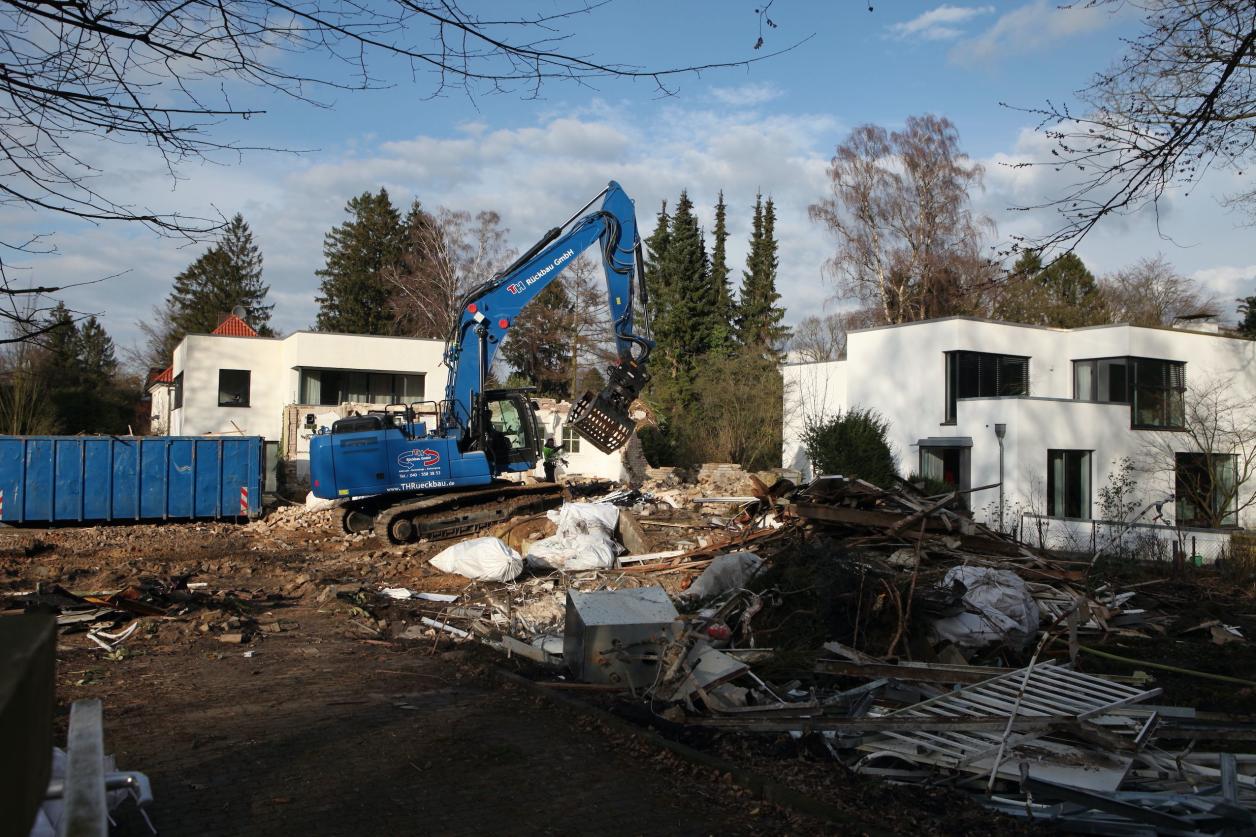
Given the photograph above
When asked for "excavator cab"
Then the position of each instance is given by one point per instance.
(512, 434)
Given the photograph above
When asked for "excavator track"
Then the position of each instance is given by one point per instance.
(460, 513)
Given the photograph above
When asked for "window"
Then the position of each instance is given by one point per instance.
(1068, 483)
(1154, 389)
(1159, 393)
(336, 386)
(1104, 380)
(571, 439)
(983, 375)
(948, 465)
(233, 387)
(1205, 485)
(178, 391)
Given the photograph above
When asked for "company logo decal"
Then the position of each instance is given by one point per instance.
(416, 458)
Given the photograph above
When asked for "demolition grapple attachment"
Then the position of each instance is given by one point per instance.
(603, 418)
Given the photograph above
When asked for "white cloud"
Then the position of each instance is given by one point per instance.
(1032, 27)
(938, 24)
(746, 95)
(534, 176)
(1228, 282)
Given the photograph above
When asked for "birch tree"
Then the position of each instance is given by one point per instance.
(908, 242)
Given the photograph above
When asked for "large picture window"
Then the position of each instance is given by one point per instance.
(1155, 389)
(1205, 488)
(233, 387)
(337, 386)
(1068, 484)
(178, 391)
(983, 375)
(1105, 380)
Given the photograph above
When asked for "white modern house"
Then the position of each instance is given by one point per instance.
(1048, 414)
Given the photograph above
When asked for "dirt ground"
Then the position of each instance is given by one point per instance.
(317, 723)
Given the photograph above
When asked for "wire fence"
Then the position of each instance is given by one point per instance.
(1144, 541)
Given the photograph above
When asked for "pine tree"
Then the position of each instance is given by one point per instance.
(687, 324)
(1247, 326)
(724, 332)
(759, 317)
(1063, 294)
(355, 295)
(656, 248)
(538, 344)
(97, 359)
(227, 275)
(78, 377)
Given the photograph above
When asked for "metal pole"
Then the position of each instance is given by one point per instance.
(1000, 430)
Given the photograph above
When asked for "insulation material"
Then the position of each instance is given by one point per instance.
(726, 572)
(480, 559)
(584, 540)
(999, 609)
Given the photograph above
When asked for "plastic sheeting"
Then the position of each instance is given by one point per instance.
(481, 559)
(726, 572)
(1000, 609)
(584, 540)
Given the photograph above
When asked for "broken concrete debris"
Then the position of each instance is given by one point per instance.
(891, 625)
(882, 629)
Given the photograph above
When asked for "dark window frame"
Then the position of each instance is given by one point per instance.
(1202, 462)
(1144, 377)
(396, 385)
(972, 374)
(1085, 505)
(178, 392)
(247, 390)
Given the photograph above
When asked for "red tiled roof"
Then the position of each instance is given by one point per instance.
(233, 326)
(166, 377)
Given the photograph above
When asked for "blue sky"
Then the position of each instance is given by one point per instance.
(770, 127)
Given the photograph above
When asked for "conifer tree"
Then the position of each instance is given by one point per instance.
(656, 249)
(759, 317)
(78, 375)
(356, 296)
(1063, 293)
(687, 324)
(723, 337)
(227, 275)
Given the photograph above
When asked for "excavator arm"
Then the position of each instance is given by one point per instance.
(489, 311)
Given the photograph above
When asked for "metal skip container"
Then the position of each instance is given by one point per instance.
(82, 479)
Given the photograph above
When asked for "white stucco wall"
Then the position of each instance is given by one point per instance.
(275, 364)
(589, 462)
(161, 396)
(900, 372)
(813, 391)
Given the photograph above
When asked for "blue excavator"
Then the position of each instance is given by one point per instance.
(435, 469)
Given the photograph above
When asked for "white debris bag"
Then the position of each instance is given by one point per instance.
(480, 559)
(726, 572)
(1000, 609)
(313, 503)
(584, 539)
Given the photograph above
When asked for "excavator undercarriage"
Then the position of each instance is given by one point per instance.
(447, 515)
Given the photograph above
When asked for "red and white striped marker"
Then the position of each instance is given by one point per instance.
(1, 502)
(244, 501)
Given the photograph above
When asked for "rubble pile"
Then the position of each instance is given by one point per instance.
(911, 642)
(884, 632)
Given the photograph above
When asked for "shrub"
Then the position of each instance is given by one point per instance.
(852, 444)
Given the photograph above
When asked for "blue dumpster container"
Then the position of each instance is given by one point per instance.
(83, 479)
